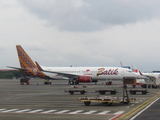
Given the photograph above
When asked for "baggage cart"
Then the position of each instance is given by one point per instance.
(106, 90)
(75, 90)
(105, 99)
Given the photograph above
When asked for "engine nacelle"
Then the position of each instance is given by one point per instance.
(85, 79)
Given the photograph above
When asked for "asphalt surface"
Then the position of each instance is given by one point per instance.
(152, 113)
(38, 101)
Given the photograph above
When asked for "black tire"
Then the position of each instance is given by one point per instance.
(109, 104)
(71, 92)
(87, 103)
(76, 83)
(102, 92)
(82, 92)
(143, 92)
(112, 92)
(131, 92)
(134, 86)
(72, 82)
(126, 103)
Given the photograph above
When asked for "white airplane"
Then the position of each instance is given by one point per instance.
(150, 77)
(74, 74)
(146, 77)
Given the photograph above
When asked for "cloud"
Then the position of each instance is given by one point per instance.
(47, 34)
(91, 15)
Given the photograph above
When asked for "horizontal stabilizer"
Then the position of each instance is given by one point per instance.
(17, 68)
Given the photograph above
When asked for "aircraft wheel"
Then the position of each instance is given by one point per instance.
(87, 103)
(72, 83)
(77, 82)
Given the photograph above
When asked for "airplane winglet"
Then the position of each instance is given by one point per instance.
(39, 67)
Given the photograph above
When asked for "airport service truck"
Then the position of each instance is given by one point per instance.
(151, 83)
(24, 80)
(155, 83)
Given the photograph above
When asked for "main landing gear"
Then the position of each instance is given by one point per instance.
(72, 82)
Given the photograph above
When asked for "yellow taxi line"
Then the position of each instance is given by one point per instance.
(141, 106)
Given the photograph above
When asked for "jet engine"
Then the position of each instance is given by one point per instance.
(85, 79)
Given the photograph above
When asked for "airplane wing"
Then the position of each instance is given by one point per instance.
(58, 73)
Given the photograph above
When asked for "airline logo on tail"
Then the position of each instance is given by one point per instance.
(27, 65)
(135, 69)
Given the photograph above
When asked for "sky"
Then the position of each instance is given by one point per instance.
(81, 32)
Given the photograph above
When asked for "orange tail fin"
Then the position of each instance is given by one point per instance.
(27, 63)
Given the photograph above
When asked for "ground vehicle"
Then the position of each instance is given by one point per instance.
(136, 90)
(47, 82)
(105, 99)
(25, 80)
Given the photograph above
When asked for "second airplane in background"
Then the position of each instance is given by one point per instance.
(146, 78)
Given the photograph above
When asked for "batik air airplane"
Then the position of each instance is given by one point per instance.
(74, 74)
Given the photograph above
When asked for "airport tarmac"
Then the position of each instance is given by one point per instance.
(38, 101)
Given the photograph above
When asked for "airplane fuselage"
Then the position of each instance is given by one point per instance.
(97, 73)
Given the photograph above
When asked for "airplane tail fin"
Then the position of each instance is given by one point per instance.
(135, 69)
(27, 65)
(122, 64)
(24, 59)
